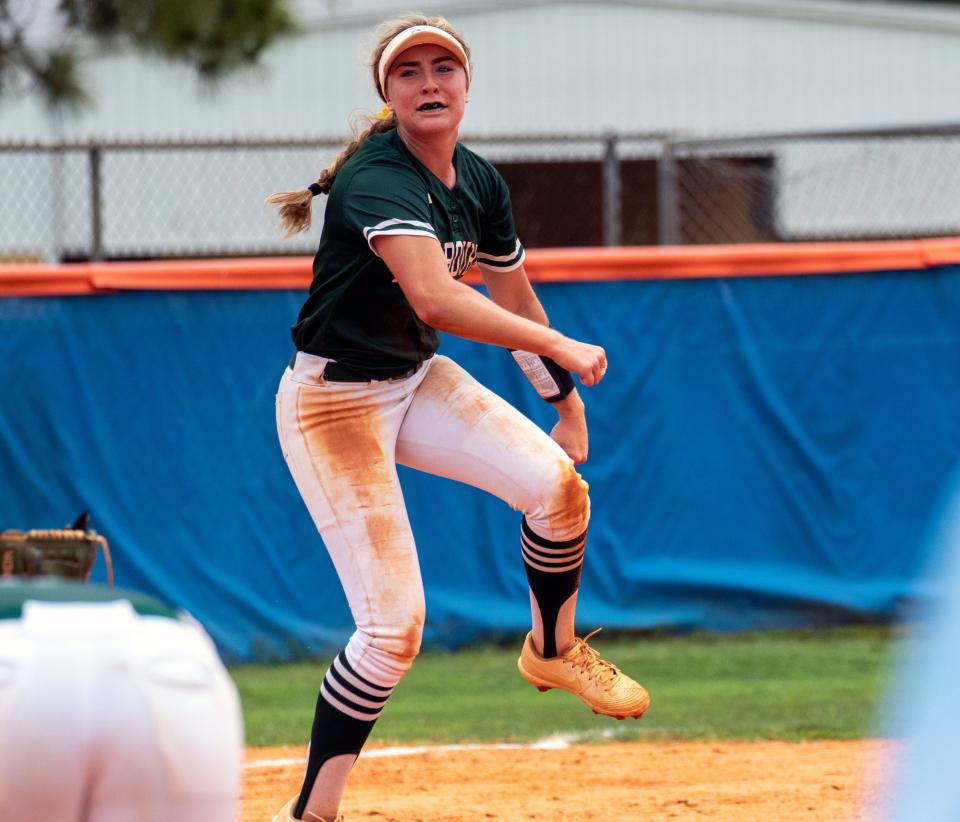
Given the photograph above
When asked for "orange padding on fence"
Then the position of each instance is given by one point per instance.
(542, 265)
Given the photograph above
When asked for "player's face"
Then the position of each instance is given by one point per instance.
(427, 88)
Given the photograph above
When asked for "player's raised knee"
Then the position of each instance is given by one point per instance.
(400, 641)
(570, 508)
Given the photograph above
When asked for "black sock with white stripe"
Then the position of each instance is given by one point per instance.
(347, 708)
(553, 573)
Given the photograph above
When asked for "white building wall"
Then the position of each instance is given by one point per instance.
(698, 67)
(708, 67)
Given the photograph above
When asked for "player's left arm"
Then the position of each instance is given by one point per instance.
(512, 291)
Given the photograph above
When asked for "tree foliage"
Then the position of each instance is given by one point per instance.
(215, 37)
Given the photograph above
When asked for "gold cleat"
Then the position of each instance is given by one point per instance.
(580, 671)
(286, 814)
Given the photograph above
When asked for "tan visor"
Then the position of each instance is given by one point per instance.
(416, 36)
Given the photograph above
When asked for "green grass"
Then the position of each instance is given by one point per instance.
(764, 685)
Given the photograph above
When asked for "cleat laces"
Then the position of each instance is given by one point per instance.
(588, 660)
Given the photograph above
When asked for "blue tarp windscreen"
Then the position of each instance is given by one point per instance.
(764, 452)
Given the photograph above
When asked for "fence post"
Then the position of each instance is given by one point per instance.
(612, 218)
(54, 252)
(668, 200)
(96, 223)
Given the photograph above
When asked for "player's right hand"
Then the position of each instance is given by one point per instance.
(588, 362)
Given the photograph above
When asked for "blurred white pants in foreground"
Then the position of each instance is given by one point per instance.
(924, 704)
(109, 716)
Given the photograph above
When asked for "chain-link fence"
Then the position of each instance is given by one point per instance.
(142, 201)
(160, 200)
(886, 184)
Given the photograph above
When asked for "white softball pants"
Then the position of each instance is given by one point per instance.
(108, 716)
(342, 442)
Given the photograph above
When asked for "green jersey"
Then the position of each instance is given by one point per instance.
(356, 313)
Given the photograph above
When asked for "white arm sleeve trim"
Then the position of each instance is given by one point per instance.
(506, 262)
(414, 228)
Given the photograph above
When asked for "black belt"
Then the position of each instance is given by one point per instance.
(335, 372)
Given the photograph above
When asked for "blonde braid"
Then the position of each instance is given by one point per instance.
(295, 213)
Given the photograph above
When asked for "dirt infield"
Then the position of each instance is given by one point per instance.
(740, 781)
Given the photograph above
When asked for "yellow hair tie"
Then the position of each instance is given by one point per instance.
(384, 113)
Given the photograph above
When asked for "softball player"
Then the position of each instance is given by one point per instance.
(113, 708)
(410, 210)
